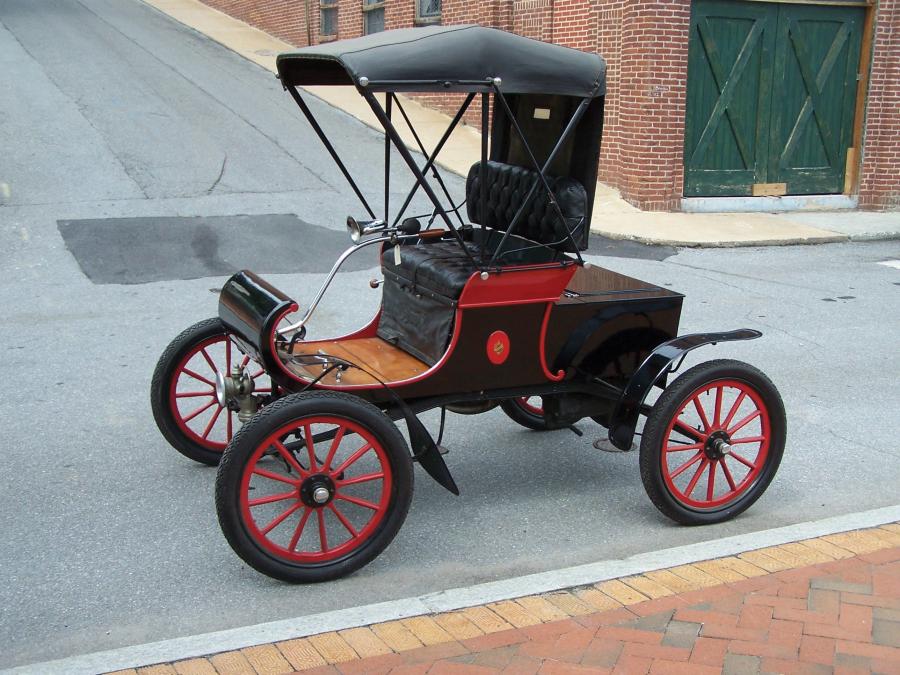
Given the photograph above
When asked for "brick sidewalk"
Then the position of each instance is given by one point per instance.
(765, 611)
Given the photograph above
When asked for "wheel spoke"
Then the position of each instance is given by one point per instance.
(265, 473)
(245, 361)
(717, 416)
(688, 431)
(743, 460)
(696, 478)
(711, 483)
(191, 394)
(346, 523)
(188, 371)
(273, 498)
(199, 410)
(310, 449)
(212, 421)
(360, 479)
(350, 460)
(752, 439)
(699, 407)
(323, 539)
(688, 464)
(333, 449)
(209, 360)
(295, 539)
(289, 458)
(744, 422)
(357, 501)
(728, 475)
(259, 372)
(734, 409)
(280, 519)
(679, 448)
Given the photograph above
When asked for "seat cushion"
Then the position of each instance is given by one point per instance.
(438, 267)
(508, 185)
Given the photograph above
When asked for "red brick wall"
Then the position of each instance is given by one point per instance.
(879, 186)
(285, 19)
(645, 45)
(651, 76)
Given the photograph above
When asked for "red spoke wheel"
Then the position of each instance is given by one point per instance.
(314, 487)
(712, 442)
(527, 411)
(183, 391)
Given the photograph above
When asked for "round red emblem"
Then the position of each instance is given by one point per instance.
(498, 347)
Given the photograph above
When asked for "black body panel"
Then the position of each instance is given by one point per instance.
(250, 308)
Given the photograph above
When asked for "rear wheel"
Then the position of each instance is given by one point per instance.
(527, 411)
(183, 391)
(305, 510)
(712, 442)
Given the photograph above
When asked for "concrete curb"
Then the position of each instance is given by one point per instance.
(453, 599)
(788, 241)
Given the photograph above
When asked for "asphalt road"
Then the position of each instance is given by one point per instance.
(108, 537)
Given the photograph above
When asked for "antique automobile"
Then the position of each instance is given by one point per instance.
(486, 302)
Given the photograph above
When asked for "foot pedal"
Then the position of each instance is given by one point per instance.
(604, 445)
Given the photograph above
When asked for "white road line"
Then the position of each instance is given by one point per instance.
(891, 263)
(443, 601)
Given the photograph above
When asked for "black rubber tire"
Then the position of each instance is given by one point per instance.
(514, 410)
(160, 400)
(282, 412)
(671, 402)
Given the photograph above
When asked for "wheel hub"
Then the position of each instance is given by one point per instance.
(317, 490)
(718, 445)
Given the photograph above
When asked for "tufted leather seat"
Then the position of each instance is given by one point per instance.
(421, 292)
(439, 267)
(507, 187)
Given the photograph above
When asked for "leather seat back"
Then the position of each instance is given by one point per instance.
(507, 187)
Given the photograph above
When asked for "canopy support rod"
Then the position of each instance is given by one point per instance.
(387, 161)
(482, 197)
(542, 172)
(292, 90)
(433, 157)
(391, 131)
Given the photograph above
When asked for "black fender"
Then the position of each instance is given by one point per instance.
(656, 366)
(251, 308)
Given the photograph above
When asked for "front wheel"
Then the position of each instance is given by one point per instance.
(315, 486)
(183, 390)
(712, 442)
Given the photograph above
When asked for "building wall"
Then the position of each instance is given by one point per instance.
(645, 44)
(879, 186)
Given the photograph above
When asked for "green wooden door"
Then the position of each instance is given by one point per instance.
(813, 96)
(730, 60)
(770, 96)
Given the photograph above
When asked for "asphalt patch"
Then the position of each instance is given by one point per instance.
(622, 248)
(143, 250)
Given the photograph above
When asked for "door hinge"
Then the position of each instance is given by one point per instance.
(769, 189)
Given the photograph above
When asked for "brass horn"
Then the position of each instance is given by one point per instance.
(358, 229)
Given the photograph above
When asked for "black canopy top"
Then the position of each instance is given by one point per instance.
(458, 58)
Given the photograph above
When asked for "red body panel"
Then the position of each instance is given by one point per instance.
(514, 286)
